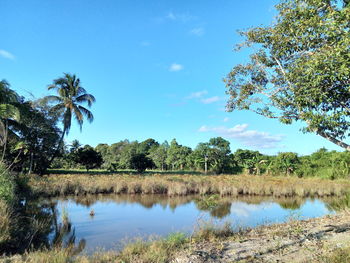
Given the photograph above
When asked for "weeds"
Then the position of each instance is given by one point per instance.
(178, 185)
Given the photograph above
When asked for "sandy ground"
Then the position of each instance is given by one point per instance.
(296, 241)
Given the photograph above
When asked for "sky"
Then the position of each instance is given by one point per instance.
(155, 67)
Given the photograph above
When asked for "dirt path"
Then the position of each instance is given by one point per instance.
(296, 241)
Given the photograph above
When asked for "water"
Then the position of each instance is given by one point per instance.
(121, 218)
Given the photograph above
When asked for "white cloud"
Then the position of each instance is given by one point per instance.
(181, 17)
(6, 54)
(197, 31)
(204, 129)
(145, 43)
(176, 67)
(200, 97)
(226, 119)
(197, 95)
(241, 209)
(210, 100)
(251, 138)
(171, 16)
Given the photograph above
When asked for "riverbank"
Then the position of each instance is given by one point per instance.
(185, 184)
(314, 240)
(325, 239)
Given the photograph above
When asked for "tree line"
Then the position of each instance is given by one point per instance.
(215, 156)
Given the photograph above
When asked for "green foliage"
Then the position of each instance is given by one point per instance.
(249, 160)
(68, 103)
(286, 163)
(159, 155)
(88, 157)
(7, 186)
(140, 162)
(39, 134)
(300, 70)
(330, 165)
(177, 155)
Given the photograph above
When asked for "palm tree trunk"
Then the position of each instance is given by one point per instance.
(5, 141)
(31, 163)
(58, 146)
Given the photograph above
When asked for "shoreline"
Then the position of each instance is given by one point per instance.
(181, 185)
(325, 239)
(297, 241)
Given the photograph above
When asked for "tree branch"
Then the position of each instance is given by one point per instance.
(334, 140)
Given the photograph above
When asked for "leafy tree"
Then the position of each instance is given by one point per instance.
(70, 96)
(127, 152)
(177, 155)
(88, 157)
(219, 154)
(159, 155)
(39, 133)
(147, 146)
(249, 160)
(197, 158)
(172, 154)
(286, 162)
(301, 69)
(140, 162)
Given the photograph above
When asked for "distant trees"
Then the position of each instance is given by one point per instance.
(249, 160)
(134, 155)
(219, 155)
(286, 162)
(159, 155)
(87, 157)
(177, 155)
(140, 162)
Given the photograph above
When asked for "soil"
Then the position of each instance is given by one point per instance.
(295, 241)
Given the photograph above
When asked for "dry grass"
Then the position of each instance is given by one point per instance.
(178, 185)
(5, 222)
(158, 251)
(340, 255)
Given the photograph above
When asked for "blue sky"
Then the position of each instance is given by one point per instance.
(155, 67)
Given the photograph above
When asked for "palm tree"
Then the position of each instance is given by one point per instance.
(70, 94)
(9, 100)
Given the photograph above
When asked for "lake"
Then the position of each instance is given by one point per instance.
(109, 221)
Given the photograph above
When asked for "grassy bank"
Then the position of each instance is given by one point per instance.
(313, 240)
(172, 185)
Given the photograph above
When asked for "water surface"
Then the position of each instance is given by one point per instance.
(118, 218)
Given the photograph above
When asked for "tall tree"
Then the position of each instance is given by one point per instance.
(70, 96)
(300, 70)
(9, 100)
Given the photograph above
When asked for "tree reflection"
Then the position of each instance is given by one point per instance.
(35, 226)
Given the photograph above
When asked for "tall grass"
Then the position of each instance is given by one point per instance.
(161, 250)
(179, 185)
(5, 222)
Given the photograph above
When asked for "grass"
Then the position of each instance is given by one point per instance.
(154, 251)
(5, 222)
(340, 255)
(186, 184)
(162, 250)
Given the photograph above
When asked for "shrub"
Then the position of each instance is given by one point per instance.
(7, 186)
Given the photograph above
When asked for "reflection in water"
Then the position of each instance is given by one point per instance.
(36, 226)
(119, 217)
(338, 204)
